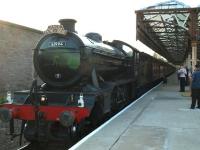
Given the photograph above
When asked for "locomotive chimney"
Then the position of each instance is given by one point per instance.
(68, 24)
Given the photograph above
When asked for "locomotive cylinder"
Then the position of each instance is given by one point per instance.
(5, 115)
(66, 119)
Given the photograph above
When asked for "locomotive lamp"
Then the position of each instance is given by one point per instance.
(81, 101)
(43, 100)
(9, 97)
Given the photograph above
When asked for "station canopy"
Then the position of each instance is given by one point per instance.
(169, 28)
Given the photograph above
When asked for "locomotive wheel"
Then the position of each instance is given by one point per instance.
(119, 97)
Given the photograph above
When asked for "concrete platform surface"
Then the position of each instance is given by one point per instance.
(161, 120)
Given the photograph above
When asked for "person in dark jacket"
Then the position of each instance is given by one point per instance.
(195, 87)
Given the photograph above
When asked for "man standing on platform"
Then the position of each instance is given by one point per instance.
(195, 87)
(182, 77)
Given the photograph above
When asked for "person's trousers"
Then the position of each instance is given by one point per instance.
(182, 84)
(195, 98)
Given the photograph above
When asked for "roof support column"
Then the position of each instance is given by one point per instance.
(194, 54)
(188, 62)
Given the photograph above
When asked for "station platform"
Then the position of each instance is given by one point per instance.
(160, 120)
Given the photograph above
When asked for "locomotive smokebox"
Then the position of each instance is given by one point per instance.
(68, 24)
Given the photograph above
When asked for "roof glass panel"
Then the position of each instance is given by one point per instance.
(172, 4)
(167, 26)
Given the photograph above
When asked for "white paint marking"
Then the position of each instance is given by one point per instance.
(188, 109)
(23, 147)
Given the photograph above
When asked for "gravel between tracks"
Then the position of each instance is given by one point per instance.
(5, 139)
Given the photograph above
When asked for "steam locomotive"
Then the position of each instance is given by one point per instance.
(84, 79)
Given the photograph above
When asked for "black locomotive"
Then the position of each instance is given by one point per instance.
(84, 79)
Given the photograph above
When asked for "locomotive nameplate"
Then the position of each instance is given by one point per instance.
(57, 44)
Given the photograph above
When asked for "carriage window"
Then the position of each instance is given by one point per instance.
(128, 50)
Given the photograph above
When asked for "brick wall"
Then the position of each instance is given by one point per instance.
(16, 67)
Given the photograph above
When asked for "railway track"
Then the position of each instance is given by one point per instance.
(45, 146)
(59, 145)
